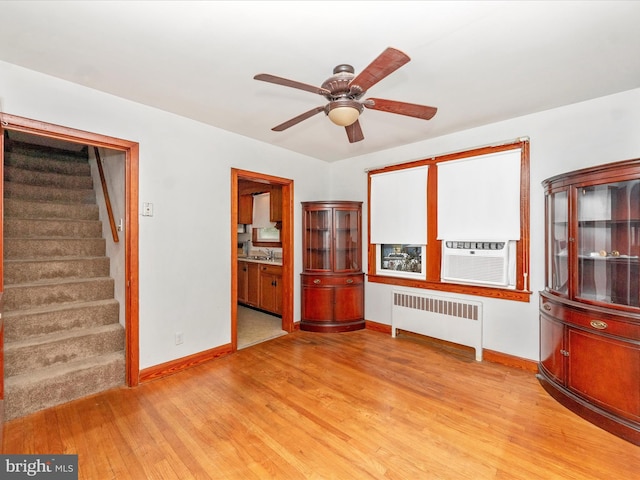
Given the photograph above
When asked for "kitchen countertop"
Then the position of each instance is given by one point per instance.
(277, 261)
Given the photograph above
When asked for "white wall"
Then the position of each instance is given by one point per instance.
(185, 171)
(590, 133)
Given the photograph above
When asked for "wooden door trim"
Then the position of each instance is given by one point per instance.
(286, 237)
(131, 151)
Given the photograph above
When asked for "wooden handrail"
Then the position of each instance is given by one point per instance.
(112, 222)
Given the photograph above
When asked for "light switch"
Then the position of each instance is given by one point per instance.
(147, 209)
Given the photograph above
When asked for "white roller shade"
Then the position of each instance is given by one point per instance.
(479, 198)
(399, 206)
(262, 211)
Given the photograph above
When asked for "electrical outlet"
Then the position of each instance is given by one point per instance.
(147, 209)
(179, 338)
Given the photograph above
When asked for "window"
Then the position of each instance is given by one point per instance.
(398, 213)
(401, 260)
(266, 237)
(478, 198)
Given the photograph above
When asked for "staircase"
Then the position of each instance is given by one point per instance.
(63, 339)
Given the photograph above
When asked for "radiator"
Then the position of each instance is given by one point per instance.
(453, 320)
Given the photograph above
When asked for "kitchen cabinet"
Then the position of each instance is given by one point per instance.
(243, 282)
(332, 281)
(249, 283)
(271, 288)
(245, 209)
(260, 286)
(245, 203)
(590, 308)
(275, 203)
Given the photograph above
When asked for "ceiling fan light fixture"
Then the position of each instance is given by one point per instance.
(344, 116)
(344, 112)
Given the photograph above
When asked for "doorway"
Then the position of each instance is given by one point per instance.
(286, 238)
(130, 150)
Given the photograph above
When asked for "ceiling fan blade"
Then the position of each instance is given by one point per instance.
(298, 119)
(387, 62)
(401, 108)
(354, 132)
(265, 77)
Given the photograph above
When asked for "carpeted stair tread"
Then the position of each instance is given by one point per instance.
(25, 296)
(21, 208)
(33, 270)
(40, 352)
(57, 337)
(24, 247)
(48, 179)
(38, 192)
(41, 375)
(23, 324)
(61, 165)
(36, 153)
(56, 228)
(47, 387)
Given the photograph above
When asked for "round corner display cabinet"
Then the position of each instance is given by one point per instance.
(332, 280)
(590, 308)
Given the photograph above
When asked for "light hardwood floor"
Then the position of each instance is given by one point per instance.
(357, 405)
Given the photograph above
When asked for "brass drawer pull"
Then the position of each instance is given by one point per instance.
(316, 281)
(349, 280)
(599, 324)
(547, 307)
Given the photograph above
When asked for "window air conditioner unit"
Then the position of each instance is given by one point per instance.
(480, 263)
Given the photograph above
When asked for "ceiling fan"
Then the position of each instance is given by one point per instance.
(344, 91)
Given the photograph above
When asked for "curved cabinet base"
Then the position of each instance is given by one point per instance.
(332, 303)
(332, 327)
(601, 418)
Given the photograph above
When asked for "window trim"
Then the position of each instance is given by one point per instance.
(400, 274)
(522, 290)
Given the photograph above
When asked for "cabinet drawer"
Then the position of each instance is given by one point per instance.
(271, 269)
(608, 323)
(602, 324)
(552, 309)
(333, 280)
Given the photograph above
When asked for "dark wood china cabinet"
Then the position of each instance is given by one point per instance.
(590, 308)
(332, 280)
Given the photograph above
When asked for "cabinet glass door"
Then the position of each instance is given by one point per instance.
(608, 243)
(558, 232)
(347, 253)
(317, 254)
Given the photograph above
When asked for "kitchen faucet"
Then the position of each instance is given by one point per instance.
(269, 253)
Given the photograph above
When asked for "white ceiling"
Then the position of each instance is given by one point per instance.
(478, 62)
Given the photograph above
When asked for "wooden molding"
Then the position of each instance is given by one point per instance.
(377, 327)
(179, 364)
(509, 360)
